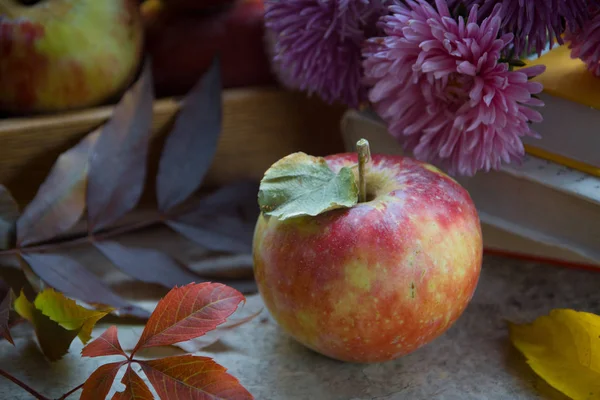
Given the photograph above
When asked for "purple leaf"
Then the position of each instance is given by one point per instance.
(191, 146)
(230, 198)
(215, 221)
(146, 265)
(60, 200)
(6, 300)
(9, 212)
(74, 280)
(118, 163)
(218, 233)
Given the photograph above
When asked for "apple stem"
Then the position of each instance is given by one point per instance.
(364, 159)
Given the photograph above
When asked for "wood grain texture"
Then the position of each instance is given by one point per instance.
(260, 125)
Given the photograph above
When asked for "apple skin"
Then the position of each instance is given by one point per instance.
(183, 46)
(67, 54)
(197, 5)
(244, 55)
(378, 280)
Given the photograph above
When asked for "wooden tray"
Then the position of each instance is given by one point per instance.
(260, 125)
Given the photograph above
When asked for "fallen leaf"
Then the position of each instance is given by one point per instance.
(135, 387)
(6, 300)
(9, 212)
(68, 314)
(54, 340)
(106, 344)
(218, 233)
(191, 145)
(118, 163)
(192, 377)
(302, 185)
(74, 280)
(146, 265)
(98, 385)
(563, 348)
(188, 312)
(60, 200)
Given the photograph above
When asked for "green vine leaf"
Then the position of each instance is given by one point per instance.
(302, 185)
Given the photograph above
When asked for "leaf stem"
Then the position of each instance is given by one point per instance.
(23, 385)
(86, 239)
(70, 392)
(364, 159)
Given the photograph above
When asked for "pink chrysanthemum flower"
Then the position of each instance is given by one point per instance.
(535, 23)
(318, 44)
(585, 43)
(438, 83)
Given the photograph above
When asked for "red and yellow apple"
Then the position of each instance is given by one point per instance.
(198, 5)
(64, 54)
(380, 279)
(184, 44)
(182, 48)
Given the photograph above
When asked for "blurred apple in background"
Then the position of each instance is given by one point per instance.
(183, 42)
(59, 55)
(245, 60)
(198, 5)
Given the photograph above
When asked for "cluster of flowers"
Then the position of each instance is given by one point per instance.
(440, 73)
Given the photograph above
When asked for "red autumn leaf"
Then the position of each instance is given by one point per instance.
(99, 383)
(106, 344)
(210, 338)
(194, 378)
(135, 387)
(188, 312)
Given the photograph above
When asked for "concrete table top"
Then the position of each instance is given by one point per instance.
(473, 360)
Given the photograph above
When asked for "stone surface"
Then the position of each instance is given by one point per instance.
(473, 360)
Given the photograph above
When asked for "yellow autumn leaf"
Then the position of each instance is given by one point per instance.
(24, 308)
(563, 348)
(68, 314)
(54, 340)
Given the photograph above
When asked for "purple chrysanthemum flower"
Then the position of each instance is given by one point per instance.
(438, 84)
(585, 42)
(534, 23)
(318, 44)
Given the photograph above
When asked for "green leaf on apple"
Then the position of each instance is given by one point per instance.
(302, 185)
